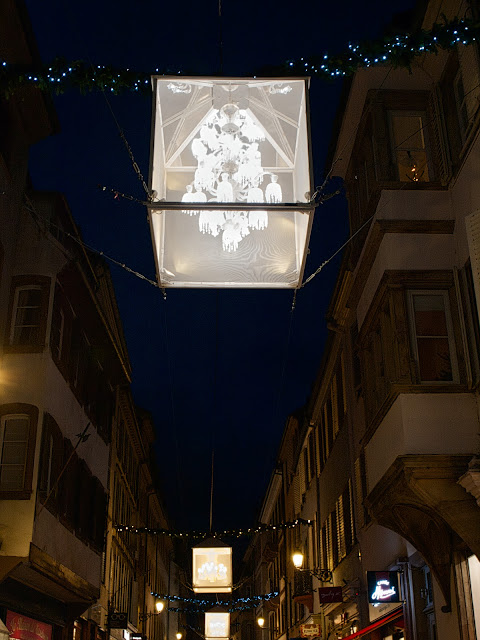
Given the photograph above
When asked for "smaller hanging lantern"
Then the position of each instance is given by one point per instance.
(217, 624)
(212, 567)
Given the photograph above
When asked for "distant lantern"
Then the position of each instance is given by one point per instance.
(231, 180)
(217, 624)
(212, 567)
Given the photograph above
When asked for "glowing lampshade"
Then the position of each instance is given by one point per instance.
(230, 167)
(212, 567)
(217, 623)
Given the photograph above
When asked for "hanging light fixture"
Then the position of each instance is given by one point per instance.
(217, 624)
(212, 567)
(231, 171)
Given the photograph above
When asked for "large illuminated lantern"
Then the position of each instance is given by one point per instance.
(217, 624)
(231, 176)
(212, 567)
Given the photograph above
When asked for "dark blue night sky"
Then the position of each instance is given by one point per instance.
(214, 367)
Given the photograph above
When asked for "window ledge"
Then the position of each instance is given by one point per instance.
(16, 495)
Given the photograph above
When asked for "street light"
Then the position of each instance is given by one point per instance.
(159, 606)
(324, 575)
(260, 622)
(179, 635)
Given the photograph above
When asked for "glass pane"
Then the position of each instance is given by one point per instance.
(409, 148)
(29, 297)
(434, 359)
(430, 319)
(412, 166)
(11, 478)
(16, 429)
(14, 453)
(408, 132)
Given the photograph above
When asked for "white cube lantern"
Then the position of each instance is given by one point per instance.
(220, 144)
(212, 567)
(217, 624)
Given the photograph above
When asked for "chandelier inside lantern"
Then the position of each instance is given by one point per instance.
(234, 142)
(229, 169)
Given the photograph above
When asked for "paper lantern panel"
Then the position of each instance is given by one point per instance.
(235, 142)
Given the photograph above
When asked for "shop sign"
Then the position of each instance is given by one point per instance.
(383, 587)
(310, 631)
(118, 620)
(330, 594)
(23, 628)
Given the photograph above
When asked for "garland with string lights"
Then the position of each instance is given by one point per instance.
(229, 533)
(399, 51)
(197, 605)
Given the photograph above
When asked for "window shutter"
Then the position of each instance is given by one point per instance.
(440, 144)
(334, 400)
(471, 79)
(473, 235)
(342, 551)
(359, 492)
(297, 498)
(329, 542)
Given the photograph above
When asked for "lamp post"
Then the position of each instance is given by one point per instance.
(324, 575)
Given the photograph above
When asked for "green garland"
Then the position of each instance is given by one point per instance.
(399, 51)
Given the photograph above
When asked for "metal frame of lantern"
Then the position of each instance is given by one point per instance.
(217, 624)
(212, 567)
(231, 173)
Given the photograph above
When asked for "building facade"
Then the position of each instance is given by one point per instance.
(75, 452)
(385, 459)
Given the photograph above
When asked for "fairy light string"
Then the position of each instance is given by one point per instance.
(197, 605)
(398, 50)
(229, 533)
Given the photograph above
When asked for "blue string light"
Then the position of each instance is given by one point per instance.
(397, 50)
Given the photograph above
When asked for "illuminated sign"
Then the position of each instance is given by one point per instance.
(310, 630)
(383, 587)
(330, 594)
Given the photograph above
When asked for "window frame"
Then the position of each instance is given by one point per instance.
(21, 409)
(450, 335)
(427, 148)
(22, 283)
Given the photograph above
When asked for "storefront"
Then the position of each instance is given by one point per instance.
(24, 628)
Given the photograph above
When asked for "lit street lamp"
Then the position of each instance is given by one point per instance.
(324, 575)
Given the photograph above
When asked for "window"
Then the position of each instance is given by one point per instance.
(17, 446)
(57, 333)
(409, 148)
(432, 339)
(51, 462)
(27, 313)
(14, 436)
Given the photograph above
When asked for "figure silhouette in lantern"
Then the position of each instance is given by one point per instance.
(273, 192)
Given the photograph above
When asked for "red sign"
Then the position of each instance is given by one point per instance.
(23, 628)
(310, 631)
(330, 594)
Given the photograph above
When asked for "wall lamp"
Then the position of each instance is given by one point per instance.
(324, 575)
(159, 606)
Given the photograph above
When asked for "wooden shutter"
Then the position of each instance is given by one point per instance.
(340, 522)
(473, 235)
(441, 150)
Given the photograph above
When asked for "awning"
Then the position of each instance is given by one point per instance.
(390, 617)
